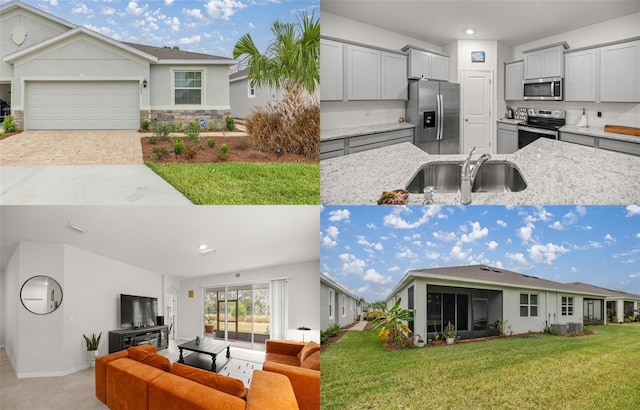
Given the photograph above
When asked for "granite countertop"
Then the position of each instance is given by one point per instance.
(338, 133)
(556, 172)
(600, 133)
(511, 121)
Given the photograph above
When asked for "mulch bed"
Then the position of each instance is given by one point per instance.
(240, 150)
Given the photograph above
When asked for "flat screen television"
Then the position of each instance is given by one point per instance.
(137, 311)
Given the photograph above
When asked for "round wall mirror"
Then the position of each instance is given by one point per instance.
(41, 295)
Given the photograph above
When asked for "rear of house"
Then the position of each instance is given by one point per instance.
(337, 305)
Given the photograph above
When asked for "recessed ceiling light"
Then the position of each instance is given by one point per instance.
(203, 246)
(76, 228)
(470, 31)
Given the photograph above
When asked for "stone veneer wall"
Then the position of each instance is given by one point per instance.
(185, 116)
(18, 118)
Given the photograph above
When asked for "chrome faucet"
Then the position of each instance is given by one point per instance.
(468, 175)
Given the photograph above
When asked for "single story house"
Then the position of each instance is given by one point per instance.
(473, 298)
(338, 305)
(244, 95)
(57, 75)
(619, 304)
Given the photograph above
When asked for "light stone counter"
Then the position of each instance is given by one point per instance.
(511, 121)
(337, 133)
(600, 133)
(556, 172)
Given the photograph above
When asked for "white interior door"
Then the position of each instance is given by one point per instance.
(477, 100)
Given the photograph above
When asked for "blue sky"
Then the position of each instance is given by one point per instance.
(368, 249)
(203, 26)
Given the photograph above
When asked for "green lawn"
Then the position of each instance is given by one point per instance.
(240, 183)
(589, 372)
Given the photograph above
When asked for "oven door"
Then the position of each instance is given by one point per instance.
(526, 135)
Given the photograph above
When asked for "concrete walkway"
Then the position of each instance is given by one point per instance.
(80, 168)
(359, 326)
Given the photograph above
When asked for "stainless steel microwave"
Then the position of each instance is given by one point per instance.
(549, 89)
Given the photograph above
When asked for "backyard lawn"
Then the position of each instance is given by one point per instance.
(244, 183)
(539, 371)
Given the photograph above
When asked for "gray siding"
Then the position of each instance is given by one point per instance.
(216, 83)
(241, 104)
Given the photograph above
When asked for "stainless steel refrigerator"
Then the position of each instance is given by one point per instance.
(434, 108)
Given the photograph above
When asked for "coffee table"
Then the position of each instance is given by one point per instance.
(206, 347)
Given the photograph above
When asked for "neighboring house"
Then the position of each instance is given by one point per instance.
(337, 305)
(64, 76)
(475, 297)
(244, 95)
(620, 305)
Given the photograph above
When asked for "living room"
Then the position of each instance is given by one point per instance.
(172, 254)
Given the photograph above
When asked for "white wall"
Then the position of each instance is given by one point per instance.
(304, 297)
(52, 345)
(2, 307)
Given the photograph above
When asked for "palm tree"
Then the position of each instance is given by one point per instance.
(291, 60)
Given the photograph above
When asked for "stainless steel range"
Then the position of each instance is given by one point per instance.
(540, 124)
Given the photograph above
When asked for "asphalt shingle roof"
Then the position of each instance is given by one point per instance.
(609, 292)
(170, 54)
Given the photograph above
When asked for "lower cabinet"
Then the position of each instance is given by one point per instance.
(350, 145)
(125, 338)
(507, 138)
(602, 143)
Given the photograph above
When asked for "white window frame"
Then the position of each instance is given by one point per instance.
(344, 305)
(203, 74)
(331, 299)
(251, 89)
(567, 304)
(529, 304)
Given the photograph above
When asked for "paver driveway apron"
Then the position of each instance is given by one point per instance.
(79, 168)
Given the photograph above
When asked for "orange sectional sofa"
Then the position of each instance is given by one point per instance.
(300, 362)
(139, 378)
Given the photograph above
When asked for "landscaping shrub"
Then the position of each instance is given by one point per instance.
(160, 152)
(178, 146)
(153, 140)
(213, 125)
(176, 127)
(161, 129)
(145, 124)
(271, 129)
(330, 332)
(211, 142)
(231, 122)
(8, 124)
(192, 131)
(223, 154)
(192, 153)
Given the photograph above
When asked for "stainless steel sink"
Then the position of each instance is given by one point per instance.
(444, 177)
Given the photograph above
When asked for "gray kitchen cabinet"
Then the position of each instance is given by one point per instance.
(331, 70)
(394, 76)
(601, 143)
(578, 139)
(352, 144)
(544, 62)
(425, 64)
(507, 138)
(363, 73)
(581, 73)
(332, 148)
(513, 76)
(620, 72)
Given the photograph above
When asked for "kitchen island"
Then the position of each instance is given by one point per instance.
(556, 172)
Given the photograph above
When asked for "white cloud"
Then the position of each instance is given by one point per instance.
(395, 220)
(168, 2)
(458, 253)
(526, 232)
(501, 223)
(351, 265)
(581, 210)
(327, 242)
(195, 13)
(53, 3)
(546, 253)
(333, 232)
(445, 236)
(363, 241)
(475, 234)
(189, 40)
(174, 23)
(134, 10)
(339, 215)
(375, 277)
(223, 9)
(638, 235)
(634, 275)
(609, 238)
(432, 255)
(371, 226)
(595, 244)
(81, 9)
(573, 269)
(251, 25)
(633, 210)
(107, 11)
(517, 257)
(406, 253)
(492, 245)
(104, 30)
(394, 269)
(557, 226)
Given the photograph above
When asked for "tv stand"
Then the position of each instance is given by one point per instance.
(122, 339)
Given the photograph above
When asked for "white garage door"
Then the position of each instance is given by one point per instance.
(82, 105)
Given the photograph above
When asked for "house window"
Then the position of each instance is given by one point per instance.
(344, 306)
(187, 87)
(331, 303)
(567, 306)
(251, 89)
(528, 305)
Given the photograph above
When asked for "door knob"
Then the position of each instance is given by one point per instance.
(466, 119)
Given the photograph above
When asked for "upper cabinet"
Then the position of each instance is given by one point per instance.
(620, 72)
(331, 72)
(544, 62)
(513, 76)
(354, 72)
(581, 75)
(426, 64)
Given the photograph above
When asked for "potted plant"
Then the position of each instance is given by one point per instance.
(436, 340)
(504, 327)
(208, 328)
(92, 347)
(450, 333)
(419, 342)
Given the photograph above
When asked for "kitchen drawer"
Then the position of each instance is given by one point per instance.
(620, 146)
(331, 145)
(507, 127)
(379, 137)
(578, 139)
(332, 154)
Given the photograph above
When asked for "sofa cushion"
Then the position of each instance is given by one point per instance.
(312, 362)
(307, 351)
(149, 358)
(282, 358)
(271, 391)
(128, 384)
(170, 391)
(216, 381)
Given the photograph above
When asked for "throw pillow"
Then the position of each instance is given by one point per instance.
(309, 349)
(158, 361)
(216, 381)
(312, 362)
(138, 354)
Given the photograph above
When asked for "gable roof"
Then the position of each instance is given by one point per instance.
(16, 4)
(611, 293)
(336, 286)
(239, 75)
(169, 55)
(488, 275)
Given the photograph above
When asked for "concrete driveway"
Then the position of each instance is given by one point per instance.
(79, 168)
